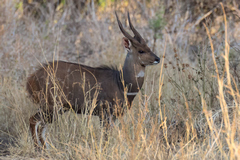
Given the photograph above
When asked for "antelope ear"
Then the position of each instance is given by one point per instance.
(126, 43)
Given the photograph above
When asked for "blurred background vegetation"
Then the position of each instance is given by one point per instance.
(178, 117)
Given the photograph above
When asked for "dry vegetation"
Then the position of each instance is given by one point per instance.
(188, 107)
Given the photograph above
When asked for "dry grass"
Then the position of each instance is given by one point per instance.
(186, 110)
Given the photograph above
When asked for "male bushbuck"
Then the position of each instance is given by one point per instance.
(66, 84)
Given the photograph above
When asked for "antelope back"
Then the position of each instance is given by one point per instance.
(72, 85)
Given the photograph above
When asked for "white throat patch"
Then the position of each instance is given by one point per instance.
(140, 74)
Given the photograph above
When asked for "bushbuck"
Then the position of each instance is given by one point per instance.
(66, 84)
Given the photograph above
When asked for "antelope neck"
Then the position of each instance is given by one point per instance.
(133, 74)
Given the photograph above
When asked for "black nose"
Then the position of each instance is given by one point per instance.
(157, 60)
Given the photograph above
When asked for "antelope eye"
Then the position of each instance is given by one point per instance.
(141, 51)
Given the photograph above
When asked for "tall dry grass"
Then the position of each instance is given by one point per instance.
(186, 110)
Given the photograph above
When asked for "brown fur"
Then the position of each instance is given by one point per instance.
(59, 86)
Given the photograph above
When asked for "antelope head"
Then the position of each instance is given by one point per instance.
(136, 46)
